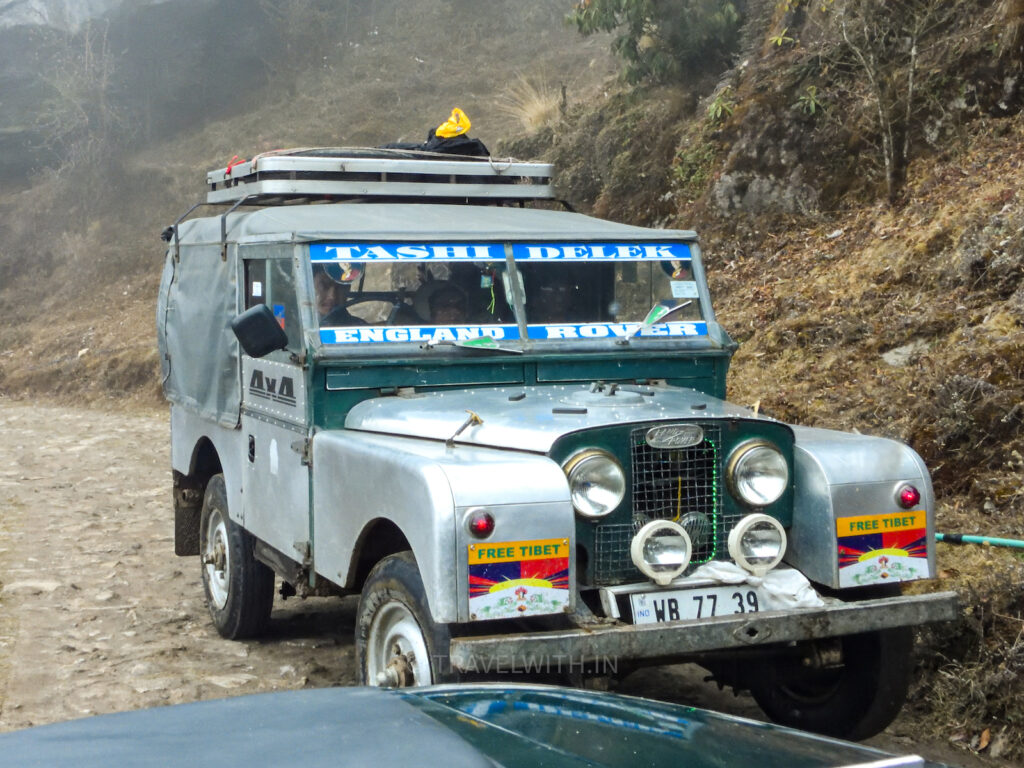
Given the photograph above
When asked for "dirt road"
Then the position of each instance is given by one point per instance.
(96, 612)
(98, 615)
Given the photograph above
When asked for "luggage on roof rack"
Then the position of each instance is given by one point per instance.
(351, 174)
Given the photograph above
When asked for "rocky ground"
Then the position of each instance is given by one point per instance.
(98, 615)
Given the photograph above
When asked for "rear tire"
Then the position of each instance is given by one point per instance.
(239, 589)
(398, 644)
(853, 701)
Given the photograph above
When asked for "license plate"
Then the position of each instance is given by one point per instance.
(696, 603)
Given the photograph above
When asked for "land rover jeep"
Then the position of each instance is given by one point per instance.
(503, 425)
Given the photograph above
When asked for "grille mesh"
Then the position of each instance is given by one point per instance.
(683, 485)
(612, 564)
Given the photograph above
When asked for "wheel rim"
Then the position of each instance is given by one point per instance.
(396, 650)
(216, 562)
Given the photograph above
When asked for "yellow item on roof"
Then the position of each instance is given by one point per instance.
(456, 125)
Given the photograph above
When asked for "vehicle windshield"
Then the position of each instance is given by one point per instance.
(374, 293)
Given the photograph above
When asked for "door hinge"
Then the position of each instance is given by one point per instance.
(305, 552)
(304, 448)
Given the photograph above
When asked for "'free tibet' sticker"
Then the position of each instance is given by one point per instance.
(518, 578)
(507, 551)
(875, 549)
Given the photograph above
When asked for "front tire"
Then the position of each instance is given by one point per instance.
(398, 644)
(239, 590)
(852, 701)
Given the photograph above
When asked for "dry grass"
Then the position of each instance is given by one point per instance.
(974, 670)
(533, 103)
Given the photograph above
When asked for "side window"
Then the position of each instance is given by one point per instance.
(271, 282)
(255, 282)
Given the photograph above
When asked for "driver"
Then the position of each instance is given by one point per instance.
(554, 297)
(333, 285)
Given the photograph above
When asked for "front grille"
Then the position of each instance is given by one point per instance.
(680, 484)
(612, 563)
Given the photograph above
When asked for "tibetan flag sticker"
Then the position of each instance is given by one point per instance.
(879, 549)
(518, 578)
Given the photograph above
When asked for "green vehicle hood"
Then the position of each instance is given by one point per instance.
(453, 726)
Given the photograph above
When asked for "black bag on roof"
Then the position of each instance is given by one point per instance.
(456, 145)
(449, 138)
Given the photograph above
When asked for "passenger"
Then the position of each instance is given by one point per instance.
(332, 293)
(442, 303)
(448, 306)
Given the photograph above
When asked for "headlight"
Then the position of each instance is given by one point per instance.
(757, 473)
(661, 550)
(596, 482)
(757, 543)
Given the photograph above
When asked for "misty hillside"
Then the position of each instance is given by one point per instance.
(122, 120)
(853, 169)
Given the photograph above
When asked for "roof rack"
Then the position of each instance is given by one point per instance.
(277, 178)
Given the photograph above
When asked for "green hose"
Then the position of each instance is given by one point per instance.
(961, 538)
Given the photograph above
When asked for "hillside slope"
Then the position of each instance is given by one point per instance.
(902, 318)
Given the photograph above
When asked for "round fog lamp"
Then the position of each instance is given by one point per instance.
(596, 483)
(757, 543)
(661, 550)
(758, 473)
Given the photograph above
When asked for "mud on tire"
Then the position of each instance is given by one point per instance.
(398, 644)
(239, 590)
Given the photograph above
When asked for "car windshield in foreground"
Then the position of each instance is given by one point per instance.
(440, 294)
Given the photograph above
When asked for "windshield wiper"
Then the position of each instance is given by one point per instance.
(657, 314)
(482, 342)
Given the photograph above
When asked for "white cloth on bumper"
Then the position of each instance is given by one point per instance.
(784, 588)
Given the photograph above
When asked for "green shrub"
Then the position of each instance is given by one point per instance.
(692, 167)
(662, 40)
(722, 106)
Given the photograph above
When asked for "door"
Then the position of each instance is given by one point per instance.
(275, 483)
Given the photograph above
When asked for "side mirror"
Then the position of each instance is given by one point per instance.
(258, 331)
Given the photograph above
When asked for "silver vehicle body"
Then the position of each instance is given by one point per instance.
(404, 464)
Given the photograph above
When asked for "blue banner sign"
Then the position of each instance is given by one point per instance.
(320, 252)
(600, 251)
(604, 252)
(421, 334)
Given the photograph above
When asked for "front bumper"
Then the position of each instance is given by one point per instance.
(577, 648)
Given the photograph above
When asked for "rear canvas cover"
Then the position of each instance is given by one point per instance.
(198, 351)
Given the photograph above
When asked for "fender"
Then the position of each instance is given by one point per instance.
(427, 489)
(843, 480)
(188, 432)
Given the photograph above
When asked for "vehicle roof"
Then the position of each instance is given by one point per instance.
(416, 222)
